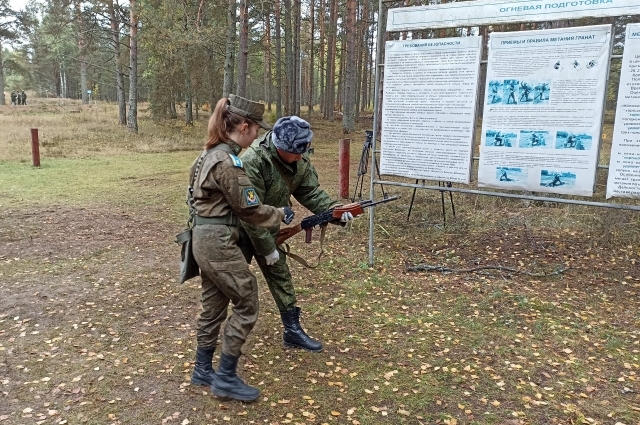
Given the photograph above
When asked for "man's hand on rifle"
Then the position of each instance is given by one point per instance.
(346, 217)
(288, 215)
(272, 258)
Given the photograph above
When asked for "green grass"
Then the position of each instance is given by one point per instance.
(134, 180)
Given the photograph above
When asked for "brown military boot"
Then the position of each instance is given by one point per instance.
(294, 336)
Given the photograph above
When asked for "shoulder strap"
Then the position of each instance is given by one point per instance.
(287, 251)
(190, 200)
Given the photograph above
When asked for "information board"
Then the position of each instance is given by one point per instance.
(624, 166)
(428, 108)
(543, 109)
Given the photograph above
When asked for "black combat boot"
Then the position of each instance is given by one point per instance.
(294, 336)
(203, 373)
(226, 382)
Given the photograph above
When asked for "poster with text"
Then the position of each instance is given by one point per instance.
(543, 109)
(428, 108)
(624, 166)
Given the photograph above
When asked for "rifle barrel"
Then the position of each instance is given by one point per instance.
(368, 203)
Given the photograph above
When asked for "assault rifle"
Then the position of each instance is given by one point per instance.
(332, 215)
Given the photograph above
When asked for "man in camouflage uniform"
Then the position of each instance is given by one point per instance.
(279, 167)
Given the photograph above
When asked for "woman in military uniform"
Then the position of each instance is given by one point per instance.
(223, 194)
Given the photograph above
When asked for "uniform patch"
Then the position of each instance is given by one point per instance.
(236, 161)
(251, 197)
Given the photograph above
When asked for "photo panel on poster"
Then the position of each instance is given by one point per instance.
(543, 107)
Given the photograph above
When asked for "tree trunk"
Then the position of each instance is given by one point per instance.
(278, 60)
(321, 48)
(188, 97)
(266, 67)
(372, 71)
(56, 77)
(484, 31)
(115, 36)
(3, 101)
(297, 57)
(349, 109)
(288, 57)
(363, 50)
(329, 103)
(132, 121)
(82, 52)
(243, 53)
(341, 70)
(173, 114)
(229, 57)
(311, 53)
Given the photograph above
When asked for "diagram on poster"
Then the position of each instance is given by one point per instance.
(543, 109)
(428, 109)
(624, 166)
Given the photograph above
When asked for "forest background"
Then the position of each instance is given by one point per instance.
(181, 56)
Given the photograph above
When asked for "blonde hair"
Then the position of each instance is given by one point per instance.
(222, 123)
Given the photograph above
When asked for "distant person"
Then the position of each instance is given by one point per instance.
(13, 98)
(23, 95)
(18, 98)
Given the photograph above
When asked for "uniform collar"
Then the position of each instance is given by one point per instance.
(229, 146)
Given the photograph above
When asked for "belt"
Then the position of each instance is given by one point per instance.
(229, 220)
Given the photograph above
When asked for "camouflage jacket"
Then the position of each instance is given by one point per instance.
(275, 182)
(222, 187)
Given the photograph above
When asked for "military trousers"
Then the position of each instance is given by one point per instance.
(225, 278)
(278, 275)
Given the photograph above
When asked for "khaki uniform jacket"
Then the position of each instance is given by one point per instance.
(275, 182)
(222, 188)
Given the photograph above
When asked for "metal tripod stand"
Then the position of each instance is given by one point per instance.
(363, 167)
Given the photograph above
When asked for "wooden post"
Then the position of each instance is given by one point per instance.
(35, 147)
(344, 157)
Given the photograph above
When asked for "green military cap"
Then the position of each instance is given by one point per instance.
(248, 109)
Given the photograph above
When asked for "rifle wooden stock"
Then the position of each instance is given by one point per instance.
(286, 233)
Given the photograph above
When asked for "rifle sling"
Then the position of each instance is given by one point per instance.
(287, 250)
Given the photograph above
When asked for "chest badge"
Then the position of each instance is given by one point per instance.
(251, 197)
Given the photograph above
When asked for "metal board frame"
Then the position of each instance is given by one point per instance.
(621, 7)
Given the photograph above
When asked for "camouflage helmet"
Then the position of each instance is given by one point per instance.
(248, 109)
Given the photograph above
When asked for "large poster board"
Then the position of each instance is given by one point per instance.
(428, 108)
(543, 109)
(624, 166)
